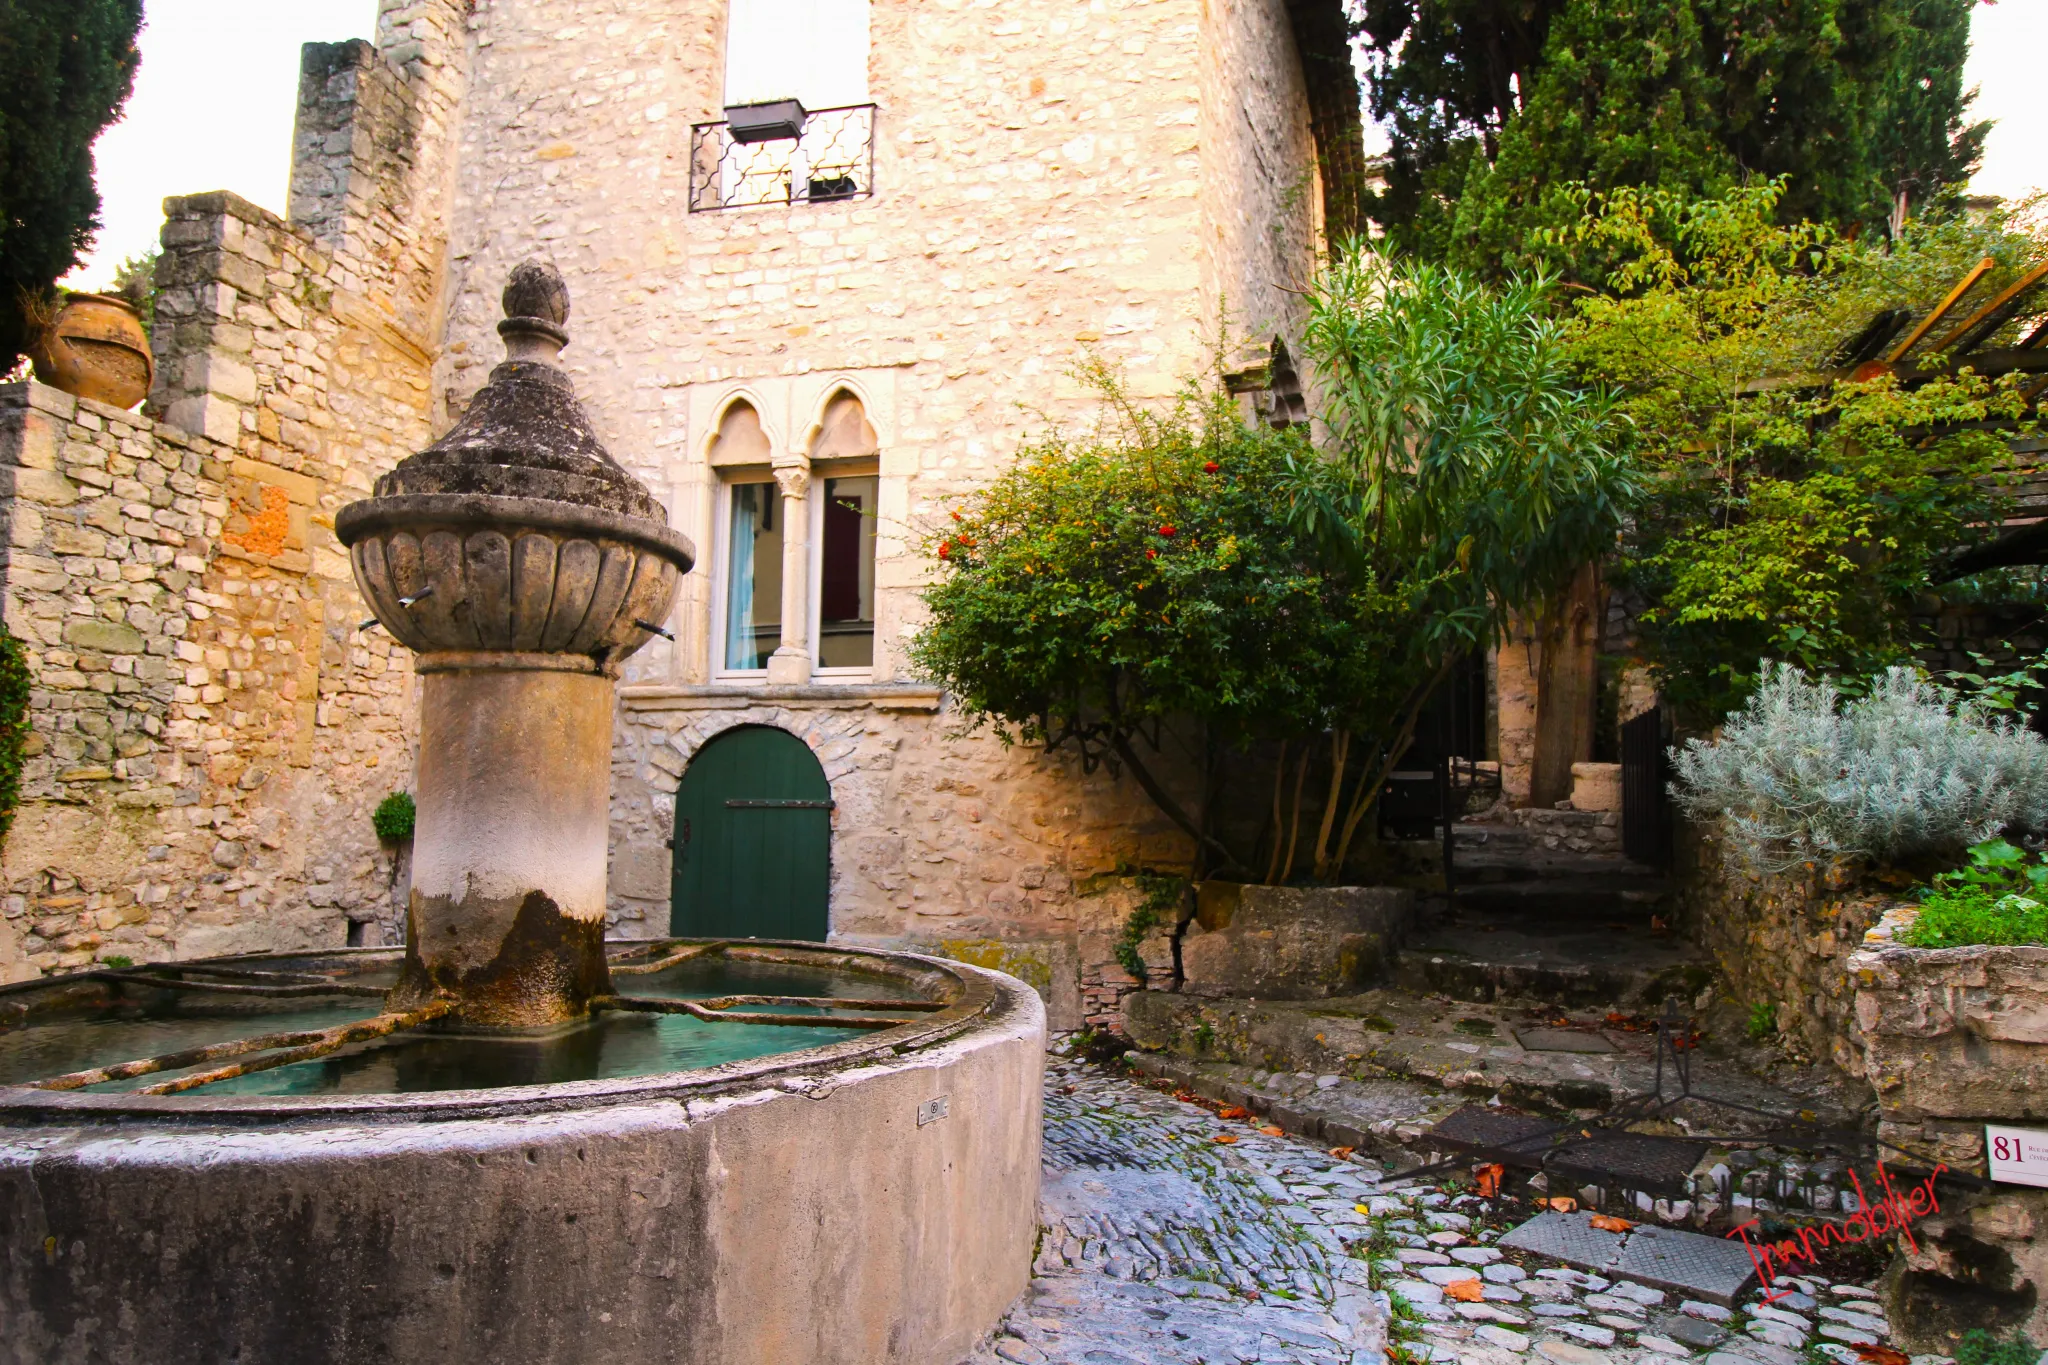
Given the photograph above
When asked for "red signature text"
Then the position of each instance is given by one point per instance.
(1896, 1212)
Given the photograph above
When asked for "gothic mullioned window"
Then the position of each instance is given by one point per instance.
(834, 501)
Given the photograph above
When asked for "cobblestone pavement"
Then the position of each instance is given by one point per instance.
(1163, 1246)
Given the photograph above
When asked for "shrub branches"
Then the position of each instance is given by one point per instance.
(1791, 512)
(1475, 472)
(1183, 565)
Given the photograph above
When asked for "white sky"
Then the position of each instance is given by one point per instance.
(214, 103)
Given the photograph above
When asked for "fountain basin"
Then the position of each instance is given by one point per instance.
(869, 1200)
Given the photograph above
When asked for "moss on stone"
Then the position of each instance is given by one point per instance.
(1031, 967)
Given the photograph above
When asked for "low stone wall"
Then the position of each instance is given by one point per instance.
(1294, 943)
(1956, 1038)
(1781, 939)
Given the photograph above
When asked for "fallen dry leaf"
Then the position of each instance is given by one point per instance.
(1489, 1179)
(1342, 1153)
(1609, 1224)
(1882, 1355)
(1273, 1130)
(1224, 1138)
(1563, 1203)
(1465, 1291)
(1233, 1112)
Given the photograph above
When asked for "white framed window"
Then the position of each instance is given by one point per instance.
(830, 548)
(747, 604)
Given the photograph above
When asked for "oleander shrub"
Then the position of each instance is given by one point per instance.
(1908, 768)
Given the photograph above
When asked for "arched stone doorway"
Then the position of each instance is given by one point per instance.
(753, 840)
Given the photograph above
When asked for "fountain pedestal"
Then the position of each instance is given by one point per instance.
(524, 565)
(508, 895)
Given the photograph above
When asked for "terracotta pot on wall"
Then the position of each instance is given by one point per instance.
(96, 349)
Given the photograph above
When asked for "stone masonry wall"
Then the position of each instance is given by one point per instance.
(211, 728)
(1051, 181)
(1783, 940)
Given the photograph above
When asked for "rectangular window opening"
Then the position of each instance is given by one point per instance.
(753, 578)
(846, 574)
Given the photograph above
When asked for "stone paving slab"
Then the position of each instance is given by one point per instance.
(1561, 1040)
(1567, 1237)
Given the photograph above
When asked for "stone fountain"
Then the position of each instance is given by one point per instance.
(486, 1146)
(523, 566)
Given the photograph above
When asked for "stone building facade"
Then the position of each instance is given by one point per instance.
(1033, 185)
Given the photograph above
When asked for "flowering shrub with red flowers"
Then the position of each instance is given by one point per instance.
(1146, 573)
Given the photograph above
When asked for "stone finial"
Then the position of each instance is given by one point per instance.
(536, 304)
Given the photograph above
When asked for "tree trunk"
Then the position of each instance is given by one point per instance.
(1567, 686)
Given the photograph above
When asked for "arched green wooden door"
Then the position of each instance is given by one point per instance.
(753, 840)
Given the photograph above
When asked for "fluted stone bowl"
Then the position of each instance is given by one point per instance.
(494, 574)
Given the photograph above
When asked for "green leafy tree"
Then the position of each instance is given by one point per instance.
(1476, 472)
(1186, 567)
(1145, 573)
(1791, 513)
(1496, 106)
(66, 68)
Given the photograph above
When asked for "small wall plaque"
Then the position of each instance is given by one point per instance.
(2019, 1156)
(931, 1111)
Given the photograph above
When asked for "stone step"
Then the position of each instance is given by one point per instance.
(1579, 948)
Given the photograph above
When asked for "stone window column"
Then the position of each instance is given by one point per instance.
(790, 666)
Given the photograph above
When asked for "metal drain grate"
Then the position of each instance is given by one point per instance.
(1496, 1135)
(1633, 1161)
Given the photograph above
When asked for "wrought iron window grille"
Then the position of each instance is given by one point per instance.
(831, 161)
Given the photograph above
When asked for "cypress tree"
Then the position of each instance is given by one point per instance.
(66, 68)
(1496, 105)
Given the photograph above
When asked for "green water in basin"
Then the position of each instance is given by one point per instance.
(613, 1045)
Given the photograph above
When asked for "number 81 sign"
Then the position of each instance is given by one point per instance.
(2019, 1156)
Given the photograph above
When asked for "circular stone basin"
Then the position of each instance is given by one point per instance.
(664, 1182)
(137, 1019)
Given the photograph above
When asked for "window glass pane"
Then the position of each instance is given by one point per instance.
(753, 578)
(810, 50)
(846, 580)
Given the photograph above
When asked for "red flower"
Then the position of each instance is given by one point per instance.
(1151, 554)
(1167, 532)
(956, 514)
(945, 549)
(1211, 467)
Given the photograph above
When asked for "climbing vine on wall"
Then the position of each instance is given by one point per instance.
(14, 689)
(1160, 909)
